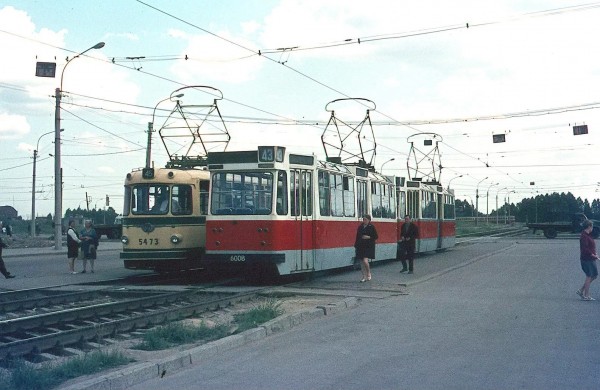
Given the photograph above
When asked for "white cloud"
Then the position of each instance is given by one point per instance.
(13, 126)
(25, 147)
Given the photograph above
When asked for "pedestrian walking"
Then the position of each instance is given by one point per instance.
(73, 243)
(409, 232)
(364, 244)
(3, 269)
(89, 244)
(588, 257)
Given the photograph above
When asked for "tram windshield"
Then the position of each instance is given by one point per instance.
(155, 199)
(150, 199)
(242, 193)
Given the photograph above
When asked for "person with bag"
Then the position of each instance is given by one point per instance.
(407, 244)
(588, 257)
(89, 242)
(3, 269)
(73, 243)
(364, 245)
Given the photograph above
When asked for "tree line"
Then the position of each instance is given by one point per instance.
(541, 208)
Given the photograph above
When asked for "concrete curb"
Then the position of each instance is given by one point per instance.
(142, 372)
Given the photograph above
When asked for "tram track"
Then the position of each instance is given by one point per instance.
(98, 314)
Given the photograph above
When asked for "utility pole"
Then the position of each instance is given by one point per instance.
(33, 197)
(87, 202)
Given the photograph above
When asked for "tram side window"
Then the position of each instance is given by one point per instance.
(428, 205)
(412, 204)
(324, 205)
(242, 193)
(401, 204)
(300, 193)
(348, 197)
(307, 193)
(449, 212)
(204, 189)
(281, 203)
(390, 202)
(361, 193)
(127, 201)
(376, 211)
(337, 196)
(150, 199)
(181, 200)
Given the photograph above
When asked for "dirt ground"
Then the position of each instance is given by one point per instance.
(20, 241)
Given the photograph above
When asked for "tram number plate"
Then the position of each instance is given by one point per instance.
(237, 258)
(148, 241)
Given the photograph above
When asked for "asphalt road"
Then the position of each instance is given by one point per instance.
(509, 320)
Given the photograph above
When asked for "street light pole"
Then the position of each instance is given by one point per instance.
(151, 128)
(497, 213)
(450, 181)
(35, 153)
(477, 201)
(382, 165)
(57, 157)
(487, 201)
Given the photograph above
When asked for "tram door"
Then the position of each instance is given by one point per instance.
(301, 205)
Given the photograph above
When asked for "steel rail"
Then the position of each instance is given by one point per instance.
(112, 323)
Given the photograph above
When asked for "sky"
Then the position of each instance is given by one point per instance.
(457, 72)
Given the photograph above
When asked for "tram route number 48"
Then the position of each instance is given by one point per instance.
(148, 241)
(237, 258)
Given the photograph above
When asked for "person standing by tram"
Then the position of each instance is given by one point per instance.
(73, 242)
(3, 269)
(89, 245)
(588, 257)
(365, 245)
(407, 245)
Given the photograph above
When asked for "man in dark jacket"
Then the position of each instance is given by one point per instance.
(3, 270)
(406, 247)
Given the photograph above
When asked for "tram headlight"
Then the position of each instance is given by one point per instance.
(176, 238)
(125, 240)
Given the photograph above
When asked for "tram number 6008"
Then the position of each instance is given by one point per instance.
(237, 258)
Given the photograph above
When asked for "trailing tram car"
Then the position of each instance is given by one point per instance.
(281, 213)
(164, 218)
(432, 209)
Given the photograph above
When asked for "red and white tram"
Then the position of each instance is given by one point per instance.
(290, 213)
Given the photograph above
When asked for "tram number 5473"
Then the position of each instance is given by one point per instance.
(237, 258)
(148, 241)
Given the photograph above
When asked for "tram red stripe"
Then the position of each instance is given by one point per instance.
(279, 235)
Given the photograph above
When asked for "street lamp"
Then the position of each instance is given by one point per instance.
(35, 152)
(57, 162)
(477, 200)
(450, 181)
(487, 201)
(382, 165)
(151, 128)
(497, 213)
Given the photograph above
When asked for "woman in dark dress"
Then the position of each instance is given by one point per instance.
(365, 246)
(73, 242)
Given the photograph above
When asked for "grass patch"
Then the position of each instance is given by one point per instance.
(177, 333)
(259, 315)
(24, 376)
